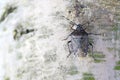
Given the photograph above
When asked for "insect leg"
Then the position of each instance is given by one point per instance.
(92, 50)
(93, 34)
(69, 46)
(68, 36)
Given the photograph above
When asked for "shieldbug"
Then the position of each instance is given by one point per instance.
(79, 40)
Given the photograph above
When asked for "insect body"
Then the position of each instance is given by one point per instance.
(79, 40)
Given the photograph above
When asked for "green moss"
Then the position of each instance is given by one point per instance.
(115, 27)
(99, 57)
(88, 76)
(73, 70)
(117, 67)
(118, 63)
(98, 61)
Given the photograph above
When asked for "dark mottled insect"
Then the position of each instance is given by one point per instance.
(79, 40)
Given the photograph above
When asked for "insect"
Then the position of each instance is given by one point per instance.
(79, 40)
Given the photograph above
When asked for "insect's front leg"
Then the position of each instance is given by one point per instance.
(68, 36)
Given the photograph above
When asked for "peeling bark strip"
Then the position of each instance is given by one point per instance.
(19, 34)
(20, 31)
(7, 11)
